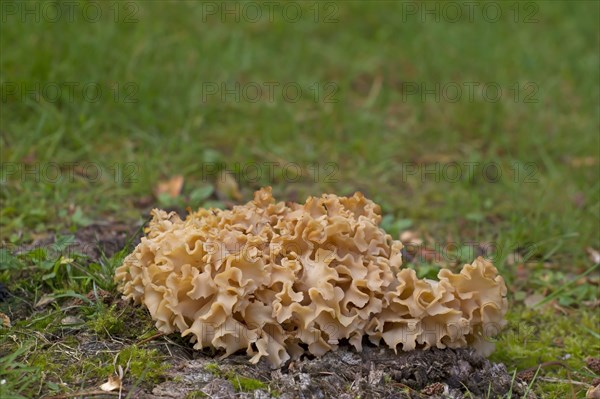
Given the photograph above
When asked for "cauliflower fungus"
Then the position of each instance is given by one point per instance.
(280, 279)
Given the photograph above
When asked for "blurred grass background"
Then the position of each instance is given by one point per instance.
(155, 62)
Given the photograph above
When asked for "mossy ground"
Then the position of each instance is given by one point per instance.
(240, 382)
(153, 61)
(74, 340)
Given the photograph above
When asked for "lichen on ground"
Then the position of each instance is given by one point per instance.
(374, 373)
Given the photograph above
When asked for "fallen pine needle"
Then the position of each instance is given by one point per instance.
(146, 340)
(563, 381)
(82, 393)
(543, 365)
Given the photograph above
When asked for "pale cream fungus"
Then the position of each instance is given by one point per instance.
(281, 279)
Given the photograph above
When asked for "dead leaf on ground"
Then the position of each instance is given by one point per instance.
(114, 382)
(593, 392)
(578, 162)
(559, 308)
(592, 304)
(5, 320)
(171, 187)
(71, 321)
(593, 254)
(44, 301)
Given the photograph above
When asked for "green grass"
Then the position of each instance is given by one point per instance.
(365, 131)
